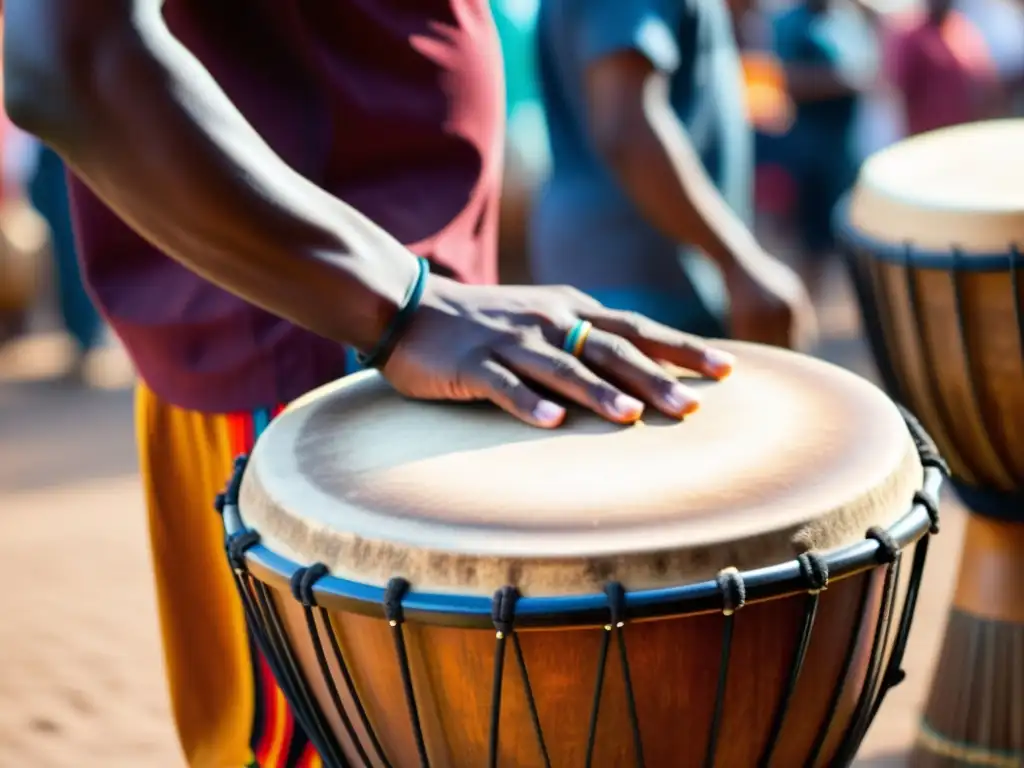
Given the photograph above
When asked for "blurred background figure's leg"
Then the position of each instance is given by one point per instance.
(829, 50)
(23, 237)
(49, 195)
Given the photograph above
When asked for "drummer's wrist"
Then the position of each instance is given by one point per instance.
(375, 354)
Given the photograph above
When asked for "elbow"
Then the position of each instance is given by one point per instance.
(34, 100)
(44, 81)
(30, 104)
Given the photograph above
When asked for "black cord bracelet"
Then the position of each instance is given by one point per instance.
(378, 356)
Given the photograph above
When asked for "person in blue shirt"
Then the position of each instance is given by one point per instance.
(829, 49)
(648, 203)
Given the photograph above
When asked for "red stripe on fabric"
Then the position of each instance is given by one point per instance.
(273, 745)
(289, 729)
(310, 759)
(250, 433)
(239, 431)
(268, 695)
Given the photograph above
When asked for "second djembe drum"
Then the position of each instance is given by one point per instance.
(933, 232)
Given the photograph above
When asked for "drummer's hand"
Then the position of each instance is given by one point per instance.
(499, 343)
(769, 305)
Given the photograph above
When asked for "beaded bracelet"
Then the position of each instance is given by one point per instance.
(378, 356)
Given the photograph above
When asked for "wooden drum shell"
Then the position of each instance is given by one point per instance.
(932, 232)
(949, 343)
(453, 667)
(804, 670)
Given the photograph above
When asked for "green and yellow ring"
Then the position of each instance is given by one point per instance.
(577, 337)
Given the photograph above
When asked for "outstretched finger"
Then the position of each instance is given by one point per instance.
(663, 343)
(493, 381)
(564, 374)
(617, 356)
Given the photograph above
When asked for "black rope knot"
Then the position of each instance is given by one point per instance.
(926, 448)
(930, 506)
(393, 595)
(503, 610)
(734, 591)
(303, 581)
(887, 545)
(894, 677)
(936, 461)
(238, 545)
(616, 603)
(235, 484)
(814, 570)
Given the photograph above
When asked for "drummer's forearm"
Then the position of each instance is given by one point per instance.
(142, 122)
(654, 160)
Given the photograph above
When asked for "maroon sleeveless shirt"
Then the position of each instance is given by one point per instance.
(395, 106)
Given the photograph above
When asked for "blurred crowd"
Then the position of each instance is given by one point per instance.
(916, 66)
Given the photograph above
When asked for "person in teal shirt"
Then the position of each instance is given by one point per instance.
(830, 51)
(649, 202)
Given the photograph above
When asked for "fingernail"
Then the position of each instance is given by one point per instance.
(681, 400)
(626, 407)
(718, 362)
(547, 412)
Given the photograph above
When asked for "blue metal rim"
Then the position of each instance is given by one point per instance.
(467, 611)
(956, 258)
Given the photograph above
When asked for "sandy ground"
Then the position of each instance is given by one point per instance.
(81, 685)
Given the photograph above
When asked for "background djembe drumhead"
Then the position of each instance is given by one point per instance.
(934, 231)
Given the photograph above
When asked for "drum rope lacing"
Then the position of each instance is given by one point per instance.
(268, 632)
(393, 612)
(302, 590)
(503, 615)
(814, 570)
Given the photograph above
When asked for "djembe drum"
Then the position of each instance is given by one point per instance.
(932, 233)
(438, 584)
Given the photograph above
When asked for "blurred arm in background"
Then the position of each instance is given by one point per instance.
(636, 131)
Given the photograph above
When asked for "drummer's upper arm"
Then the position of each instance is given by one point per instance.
(48, 44)
(626, 50)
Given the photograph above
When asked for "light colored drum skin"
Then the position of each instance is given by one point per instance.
(789, 454)
(934, 230)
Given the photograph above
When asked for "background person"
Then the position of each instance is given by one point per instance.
(939, 64)
(652, 163)
(830, 52)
